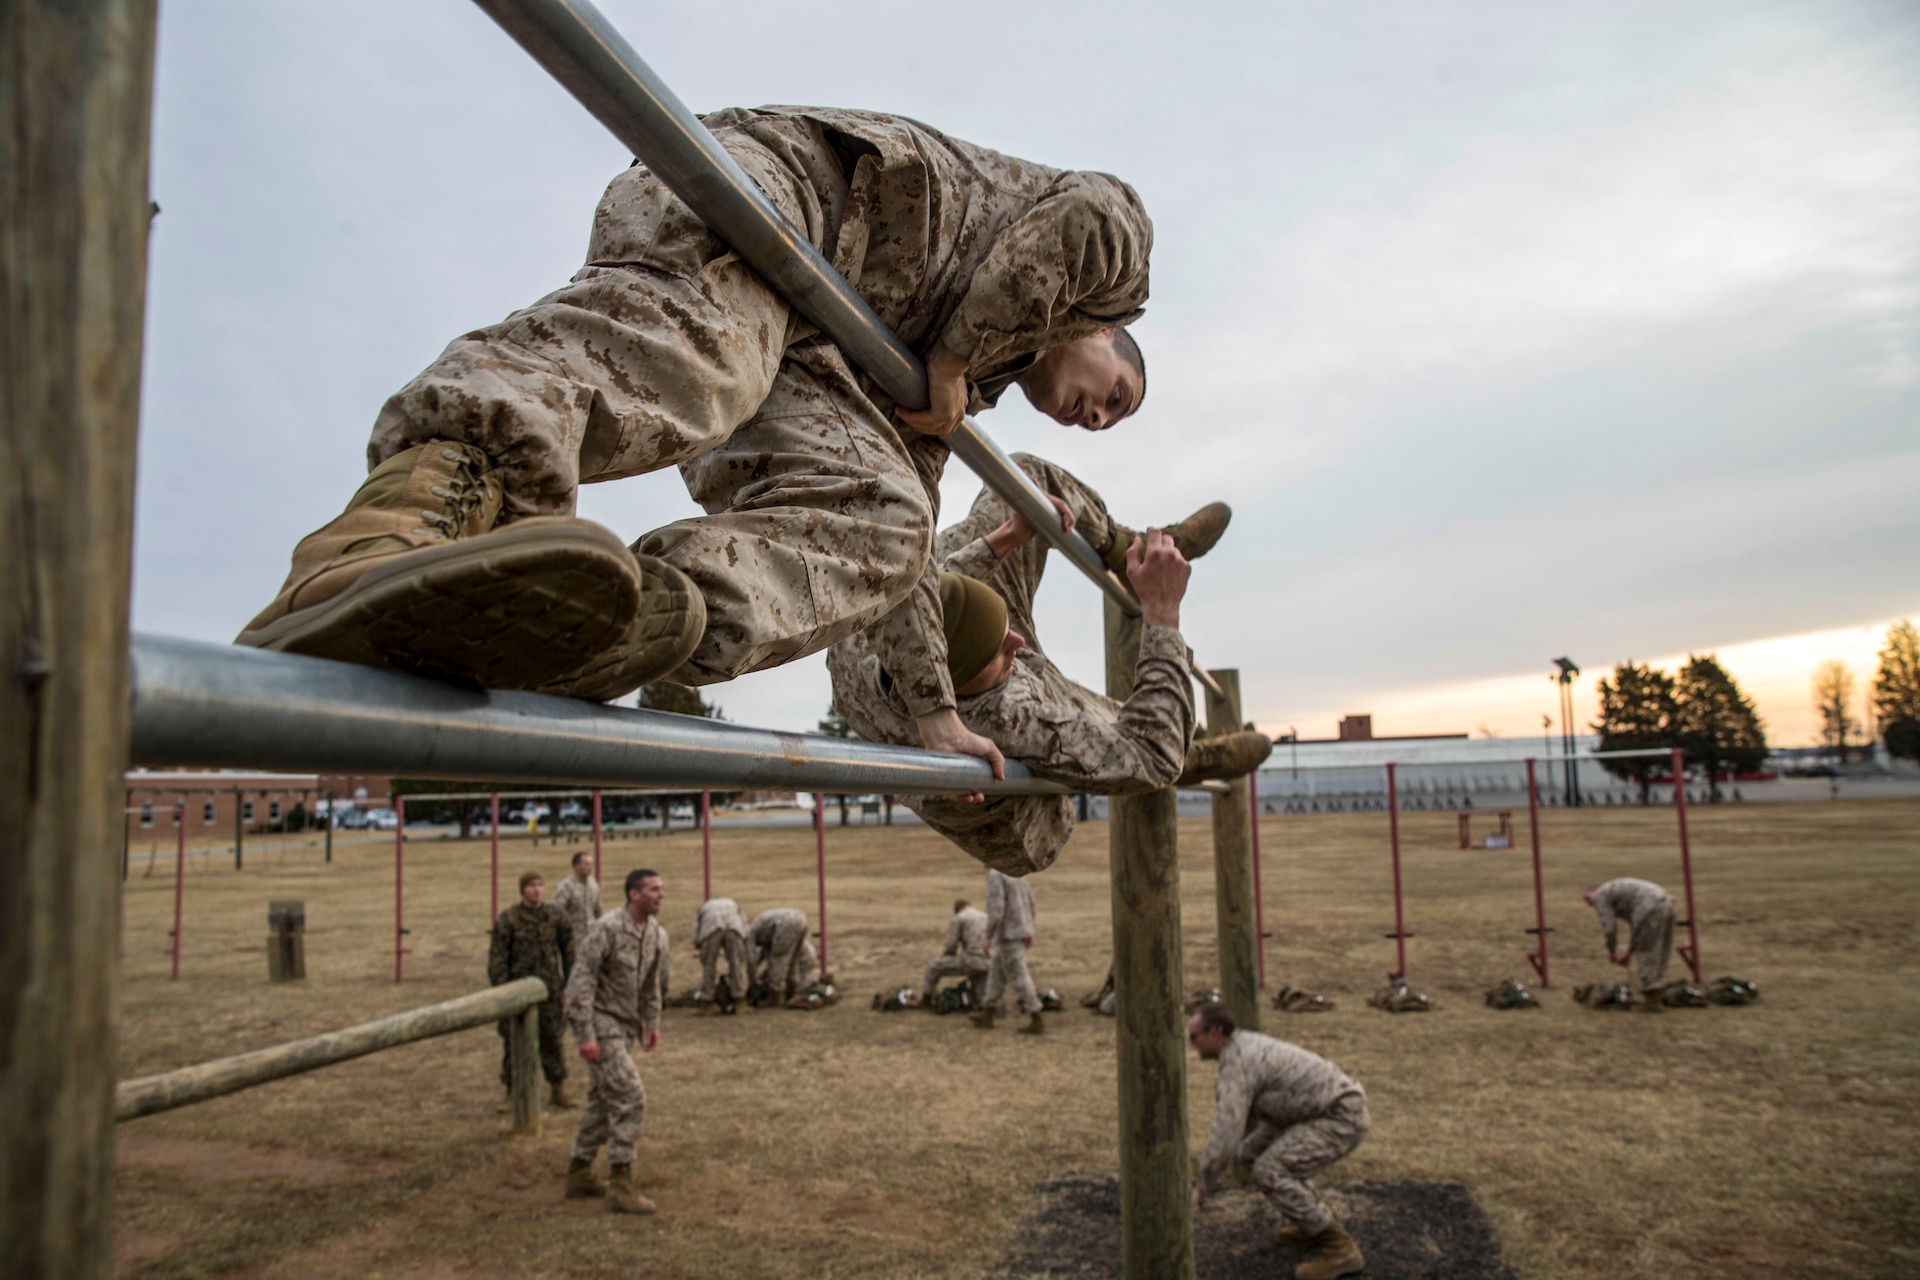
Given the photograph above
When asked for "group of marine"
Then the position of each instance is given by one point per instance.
(460, 557)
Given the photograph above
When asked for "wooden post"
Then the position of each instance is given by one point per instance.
(1156, 1212)
(329, 826)
(523, 1041)
(179, 881)
(1233, 870)
(74, 212)
(493, 810)
(239, 825)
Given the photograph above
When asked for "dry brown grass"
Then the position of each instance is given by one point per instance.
(1772, 1140)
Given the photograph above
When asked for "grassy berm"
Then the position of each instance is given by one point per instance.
(1774, 1140)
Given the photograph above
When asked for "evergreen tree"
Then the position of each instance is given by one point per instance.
(1896, 691)
(1636, 712)
(1715, 722)
(681, 700)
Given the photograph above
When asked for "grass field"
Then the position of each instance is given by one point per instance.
(1774, 1140)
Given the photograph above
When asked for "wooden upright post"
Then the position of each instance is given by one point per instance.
(523, 1045)
(1156, 1211)
(1233, 871)
(76, 88)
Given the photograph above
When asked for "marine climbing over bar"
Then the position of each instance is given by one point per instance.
(461, 556)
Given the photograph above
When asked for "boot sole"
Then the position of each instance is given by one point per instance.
(671, 623)
(514, 609)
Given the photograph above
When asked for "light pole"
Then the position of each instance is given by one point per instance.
(1293, 740)
(1568, 673)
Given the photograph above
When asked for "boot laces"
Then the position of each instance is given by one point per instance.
(461, 494)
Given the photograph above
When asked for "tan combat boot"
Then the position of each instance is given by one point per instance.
(1036, 1025)
(981, 1018)
(622, 1195)
(1226, 757)
(1291, 1236)
(1334, 1255)
(664, 634)
(414, 576)
(1192, 537)
(582, 1182)
(558, 1098)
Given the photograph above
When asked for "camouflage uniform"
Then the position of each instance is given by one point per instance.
(666, 349)
(719, 927)
(1057, 728)
(1648, 911)
(580, 899)
(1284, 1114)
(1009, 930)
(965, 953)
(613, 997)
(533, 942)
(783, 958)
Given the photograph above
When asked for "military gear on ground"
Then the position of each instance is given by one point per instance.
(582, 1182)
(1732, 991)
(623, 1195)
(975, 619)
(1050, 1001)
(1224, 757)
(1033, 1026)
(1396, 998)
(1508, 994)
(1292, 999)
(414, 576)
(723, 1001)
(818, 996)
(954, 999)
(1335, 1254)
(1203, 995)
(669, 626)
(1604, 995)
(894, 1001)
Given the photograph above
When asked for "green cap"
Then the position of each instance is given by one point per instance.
(975, 620)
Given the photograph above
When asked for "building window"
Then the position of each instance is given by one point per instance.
(273, 811)
(206, 813)
(146, 813)
(246, 812)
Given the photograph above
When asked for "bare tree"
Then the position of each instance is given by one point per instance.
(1833, 689)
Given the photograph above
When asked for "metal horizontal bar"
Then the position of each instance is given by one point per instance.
(206, 704)
(577, 46)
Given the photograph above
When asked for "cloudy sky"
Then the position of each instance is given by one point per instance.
(1509, 330)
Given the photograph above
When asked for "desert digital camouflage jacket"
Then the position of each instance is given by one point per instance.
(1630, 900)
(1265, 1081)
(619, 973)
(531, 942)
(1009, 909)
(966, 933)
(718, 915)
(580, 900)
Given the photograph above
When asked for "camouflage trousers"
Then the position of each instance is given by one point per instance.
(1651, 947)
(790, 966)
(820, 510)
(1008, 968)
(553, 1045)
(967, 964)
(616, 1100)
(1281, 1160)
(734, 947)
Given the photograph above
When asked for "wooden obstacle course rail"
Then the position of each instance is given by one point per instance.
(519, 1000)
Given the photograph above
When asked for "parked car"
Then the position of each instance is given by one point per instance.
(381, 820)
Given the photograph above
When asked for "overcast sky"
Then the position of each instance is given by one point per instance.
(1509, 330)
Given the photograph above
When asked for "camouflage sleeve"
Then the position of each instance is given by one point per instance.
(652, 987)
(976, 560)
(1143, 750)
(996, 908)
(1233, 1100)
(911, 641)
(1609, 923)
(586, 967)
(500, 951)
(954, 940)
(1081, 251)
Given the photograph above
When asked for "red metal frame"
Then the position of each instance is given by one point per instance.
(496, 860)
(1399, 934)
(399, 884)
(820, 865)
(596, 833)
(706, 845)
(1690, 951)
(179, 876)
(1538, 956)
(1259, 920)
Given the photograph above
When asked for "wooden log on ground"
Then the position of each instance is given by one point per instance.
(1233, 870)
(77, 80)
(148, 1094)
(1156, 1211)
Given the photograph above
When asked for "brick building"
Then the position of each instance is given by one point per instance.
(215, 799)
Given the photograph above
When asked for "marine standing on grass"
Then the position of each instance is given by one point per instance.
(1648, 911)
(460, 555)
(579, 896)
(534, 940)
(1010, 934)
(1283, 1114)
(964, 954)
(613, 999)
(719, 929)
(1010, 693)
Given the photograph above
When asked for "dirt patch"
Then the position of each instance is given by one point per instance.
(1408, 1230)
(214, 1161)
